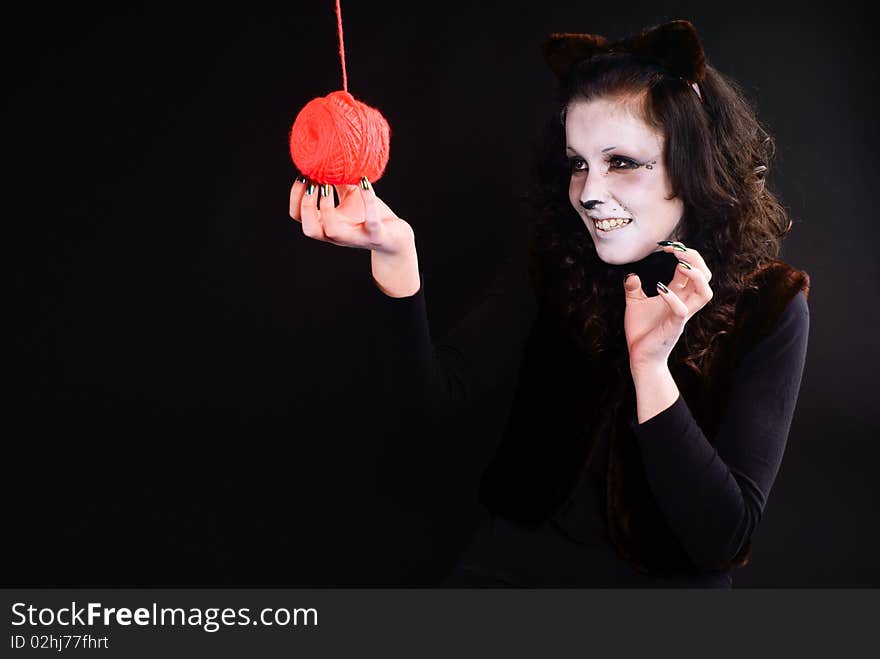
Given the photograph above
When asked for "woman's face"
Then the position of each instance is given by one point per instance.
(618, 173)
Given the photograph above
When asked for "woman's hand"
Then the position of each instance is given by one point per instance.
(360, 220)
(653, 325)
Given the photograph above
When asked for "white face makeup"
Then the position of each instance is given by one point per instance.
(617, 171)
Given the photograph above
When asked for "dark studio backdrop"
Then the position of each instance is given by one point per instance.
(193, 401)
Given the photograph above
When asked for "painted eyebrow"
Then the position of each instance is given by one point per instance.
(605, 150)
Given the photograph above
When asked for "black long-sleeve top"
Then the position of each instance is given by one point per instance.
(712, 494)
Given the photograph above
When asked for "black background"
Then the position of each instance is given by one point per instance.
(192, 403)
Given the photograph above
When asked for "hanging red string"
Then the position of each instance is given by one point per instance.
(337, 139)
(341, 45)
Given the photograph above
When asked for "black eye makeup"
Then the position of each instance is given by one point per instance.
(615, 162)
(622, 162)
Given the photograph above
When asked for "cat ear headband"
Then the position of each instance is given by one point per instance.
(674, 45)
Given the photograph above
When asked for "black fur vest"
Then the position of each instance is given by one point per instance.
(564, 401)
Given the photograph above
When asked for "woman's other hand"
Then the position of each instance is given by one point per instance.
(653, 325)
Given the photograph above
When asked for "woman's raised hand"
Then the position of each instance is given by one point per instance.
(653, 325)
(360, 220)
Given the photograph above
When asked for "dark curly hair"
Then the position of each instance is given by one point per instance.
(717, 154)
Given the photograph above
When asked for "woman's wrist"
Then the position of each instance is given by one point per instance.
(647, 368)
(396, 273)
(655, 390)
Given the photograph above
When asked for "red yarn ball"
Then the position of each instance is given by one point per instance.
(337, 139)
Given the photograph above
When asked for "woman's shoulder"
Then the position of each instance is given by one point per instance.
(770, 328)
(778, 280)
(774, 301)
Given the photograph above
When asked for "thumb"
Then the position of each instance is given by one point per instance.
(632, 286)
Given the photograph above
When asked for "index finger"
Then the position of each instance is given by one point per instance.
(690, 255)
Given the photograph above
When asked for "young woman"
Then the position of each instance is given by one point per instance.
(657, 340)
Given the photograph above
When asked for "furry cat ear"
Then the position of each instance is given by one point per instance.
(674, 45)
(563, 49)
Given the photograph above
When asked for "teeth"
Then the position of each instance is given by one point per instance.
(607, 225)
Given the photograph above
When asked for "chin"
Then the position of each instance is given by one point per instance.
(618, 256)
(613, 261)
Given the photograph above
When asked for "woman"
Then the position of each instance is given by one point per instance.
(659, 340)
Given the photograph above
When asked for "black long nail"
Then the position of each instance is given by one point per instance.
(662, 287)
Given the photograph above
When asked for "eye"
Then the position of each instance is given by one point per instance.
(622, 162)
(576, 164)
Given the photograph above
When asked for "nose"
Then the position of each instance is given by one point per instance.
(593, 192)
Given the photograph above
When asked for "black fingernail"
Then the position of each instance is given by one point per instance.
(685, 264)
(665, 243)
(310, 189)
(365, 184)
(662, 287)
(679, 247)
(325, 190)
(302, 179)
